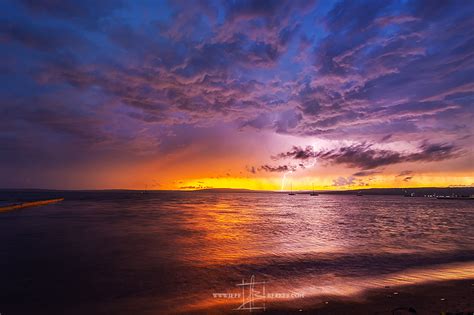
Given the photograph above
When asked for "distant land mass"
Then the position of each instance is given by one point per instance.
(422, 191)
(443, 191)
(439, 191)
(232, 190)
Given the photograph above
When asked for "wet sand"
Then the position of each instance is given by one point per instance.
(434, 298)
(448, 297)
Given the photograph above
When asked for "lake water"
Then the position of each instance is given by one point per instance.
(171, 252)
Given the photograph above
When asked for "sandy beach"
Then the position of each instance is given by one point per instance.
(433, 298)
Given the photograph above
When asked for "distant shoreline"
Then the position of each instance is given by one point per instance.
(418, 191)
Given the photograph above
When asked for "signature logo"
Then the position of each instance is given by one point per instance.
(253, 295)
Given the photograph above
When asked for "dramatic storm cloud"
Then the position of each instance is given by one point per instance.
(364, 156)
(123, 93)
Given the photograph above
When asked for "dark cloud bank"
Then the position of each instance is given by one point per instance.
(365, 157)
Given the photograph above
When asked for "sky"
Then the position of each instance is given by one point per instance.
(265, 95)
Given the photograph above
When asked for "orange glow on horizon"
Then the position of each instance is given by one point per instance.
(324, 183)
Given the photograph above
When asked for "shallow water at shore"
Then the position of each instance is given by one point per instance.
(175, 250)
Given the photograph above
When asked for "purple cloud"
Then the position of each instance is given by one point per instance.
(366, 157)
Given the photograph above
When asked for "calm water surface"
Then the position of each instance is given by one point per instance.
(166, 252)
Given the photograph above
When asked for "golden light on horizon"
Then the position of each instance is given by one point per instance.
(324, 183)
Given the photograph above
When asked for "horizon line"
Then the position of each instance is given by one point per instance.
(247, 189)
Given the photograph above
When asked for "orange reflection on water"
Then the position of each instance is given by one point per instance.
(223, 233)
(232, 230)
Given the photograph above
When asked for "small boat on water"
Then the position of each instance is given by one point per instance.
(359, 193)
(291, 193)
(145, 191)
(407, 194)
(313, 193)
